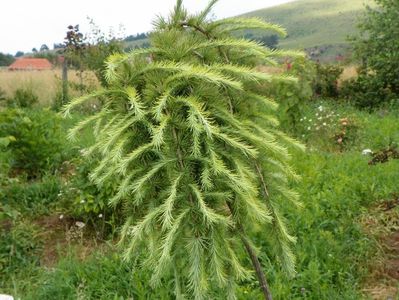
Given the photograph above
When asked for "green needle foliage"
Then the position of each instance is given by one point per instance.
(197, 152)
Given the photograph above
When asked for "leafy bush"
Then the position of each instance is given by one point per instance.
(23, 98)
(82, 199)
(39, 141)
(326, 80)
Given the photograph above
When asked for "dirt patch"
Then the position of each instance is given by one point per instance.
(392, 264)
(382, 224)
(59, 234)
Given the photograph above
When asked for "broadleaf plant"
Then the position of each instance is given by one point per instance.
(197, 152)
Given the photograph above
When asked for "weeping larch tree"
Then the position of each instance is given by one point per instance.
(195, 146)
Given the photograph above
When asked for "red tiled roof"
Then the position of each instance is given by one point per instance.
(31, 64)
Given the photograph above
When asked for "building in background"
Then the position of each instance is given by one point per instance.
(28, 64)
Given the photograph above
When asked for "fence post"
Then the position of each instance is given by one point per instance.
(64, 98)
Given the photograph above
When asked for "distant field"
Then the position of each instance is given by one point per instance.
(45, 84)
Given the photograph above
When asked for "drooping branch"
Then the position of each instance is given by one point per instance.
(258, 268)
(262, 179)
(264, 286)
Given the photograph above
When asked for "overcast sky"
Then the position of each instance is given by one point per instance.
(25, 24)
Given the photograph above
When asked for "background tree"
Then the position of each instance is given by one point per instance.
(90, 51)
(6, 59)
(270, 41)
(99, 47)
(194, 144)
(19, 54)
(43, 48)
(74, 46)
(138, 36)
(57, 46)
(377, 49)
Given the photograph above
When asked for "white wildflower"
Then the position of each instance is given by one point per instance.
(61, 217)
(82, 201)
(80, 224)
(367, 152)
(100, 216)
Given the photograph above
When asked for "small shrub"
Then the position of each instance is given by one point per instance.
(326, 80)
(24, 98)
(39, 142)
(295, 94)
(81, 199)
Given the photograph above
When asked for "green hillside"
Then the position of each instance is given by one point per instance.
(320, 26)
(313, 23)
